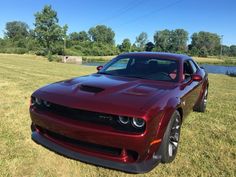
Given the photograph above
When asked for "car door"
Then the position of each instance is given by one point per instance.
(190, 89)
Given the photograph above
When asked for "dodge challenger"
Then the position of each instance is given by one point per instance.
(127, 116)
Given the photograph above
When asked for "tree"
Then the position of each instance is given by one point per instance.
(162, 40)
(16, 30)
(206, 41)
(83, 36)
(179, 38)
(74, 36)
(47, 30)
(225, 50)
(232, 50)
(171, 40)
(125, 46)
(134, 48)
(102, 34)
(141, 40)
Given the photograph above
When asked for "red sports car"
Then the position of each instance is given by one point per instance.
(127, 116)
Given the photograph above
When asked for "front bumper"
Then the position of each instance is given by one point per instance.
(136, 167)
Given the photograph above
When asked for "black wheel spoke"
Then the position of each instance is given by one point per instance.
(174, 137)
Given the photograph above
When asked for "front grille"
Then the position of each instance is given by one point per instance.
(80, 115)
(89, 116)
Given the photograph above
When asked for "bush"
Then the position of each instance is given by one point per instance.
(15, 50)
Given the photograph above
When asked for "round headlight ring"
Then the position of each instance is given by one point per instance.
(38, 101)
(46, 103)
(138, 122)
(33, 101)
(124, 120)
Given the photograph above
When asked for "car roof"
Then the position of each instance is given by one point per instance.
(163, 55)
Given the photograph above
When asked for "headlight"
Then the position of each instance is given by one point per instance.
(47, 104)
(138, 122)
(32, 102)
(38, 101)
(123, 119)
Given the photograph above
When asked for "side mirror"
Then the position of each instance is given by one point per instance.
(196, 77)
(99, 68)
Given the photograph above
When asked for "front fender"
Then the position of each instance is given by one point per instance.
(166, 112)
(172, 105)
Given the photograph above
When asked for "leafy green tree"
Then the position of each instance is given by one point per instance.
(134, 48)
(206, 41)
(225, 50)
(83, 36)
(16, 30)
(125, 46)
(232, 51)
(141, 40)
(74, 36)
(162, 40)
(203, 52)
(102, 34)
(179, 38)
(171, 40)
(16, 36)
(47, 30)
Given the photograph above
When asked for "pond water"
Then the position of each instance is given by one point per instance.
(216, 69)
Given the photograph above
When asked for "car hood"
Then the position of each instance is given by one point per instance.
(105, 93)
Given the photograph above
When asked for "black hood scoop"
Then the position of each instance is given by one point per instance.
(92, 89)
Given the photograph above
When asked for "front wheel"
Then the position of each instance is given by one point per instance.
(202, 106)
(170, 140)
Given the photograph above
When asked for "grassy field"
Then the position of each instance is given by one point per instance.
(207, 145)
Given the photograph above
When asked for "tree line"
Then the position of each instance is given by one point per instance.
(49, 38)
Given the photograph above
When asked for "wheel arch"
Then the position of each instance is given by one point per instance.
(174, 104)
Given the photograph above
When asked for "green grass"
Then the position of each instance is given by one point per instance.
(228, 61)
(207, 146)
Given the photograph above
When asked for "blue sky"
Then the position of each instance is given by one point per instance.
(128, 18)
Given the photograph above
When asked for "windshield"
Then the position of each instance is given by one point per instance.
(143, 68)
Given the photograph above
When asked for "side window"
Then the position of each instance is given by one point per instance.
(188, 70)
(119, 65)
(194, 68)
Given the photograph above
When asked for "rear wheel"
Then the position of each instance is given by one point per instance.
(170, 140)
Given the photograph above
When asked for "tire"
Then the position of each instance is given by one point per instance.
(171, 137)
(202, 105)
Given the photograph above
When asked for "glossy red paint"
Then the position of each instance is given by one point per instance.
(153, 101)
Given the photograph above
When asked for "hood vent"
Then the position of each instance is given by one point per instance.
(91, 89)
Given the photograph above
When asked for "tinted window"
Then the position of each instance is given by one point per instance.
(143, 67)
(194, 69)
(188, 71)
(119, 65)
